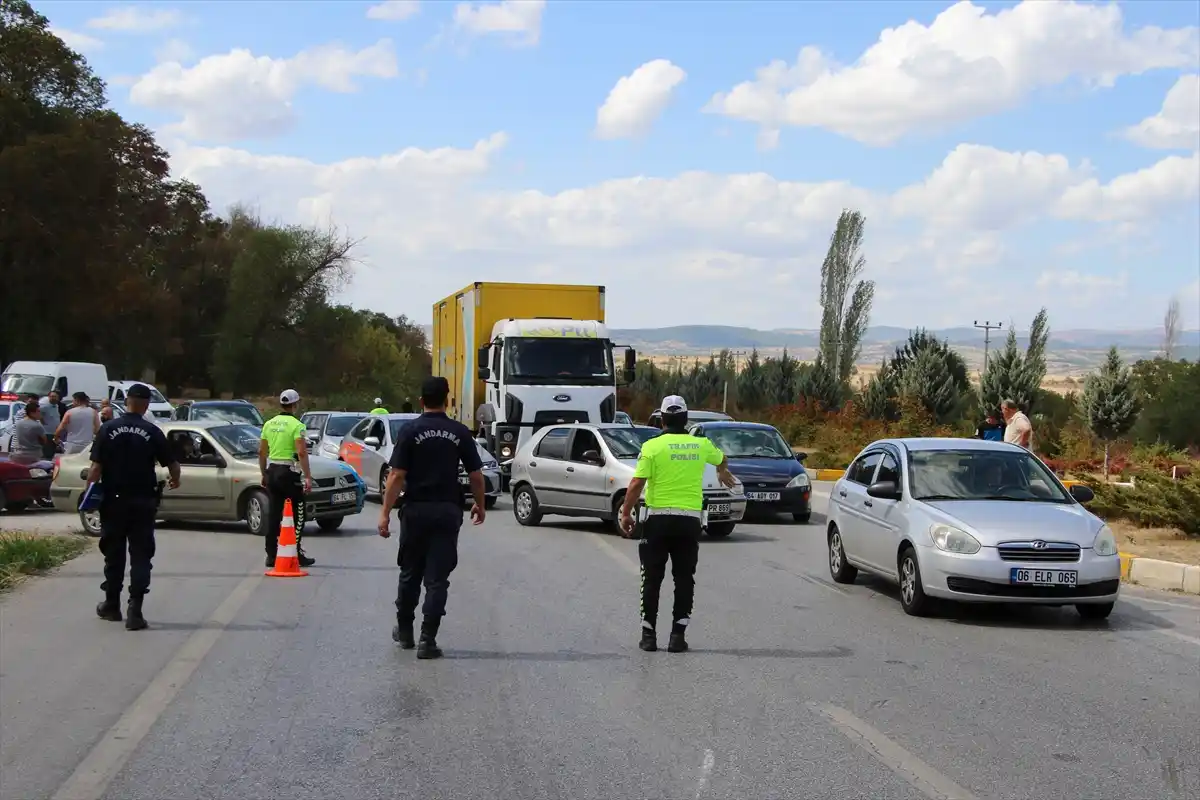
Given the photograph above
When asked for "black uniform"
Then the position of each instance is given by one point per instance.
(429, 450)
(127, 449)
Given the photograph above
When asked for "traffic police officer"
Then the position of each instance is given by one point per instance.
(123, 457)
(670, 469)
(379, 409)
(283, 462)
(424, 466)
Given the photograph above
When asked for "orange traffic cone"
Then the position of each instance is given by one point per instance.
(287, 561)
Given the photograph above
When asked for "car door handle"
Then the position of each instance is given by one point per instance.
(533, 463)
(843, 494)
(868, 503)
(570, 469)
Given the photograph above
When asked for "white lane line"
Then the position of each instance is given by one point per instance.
(922, 777)
(622, 558)
(706, 769)
(1181, 637)
(97, 770)
(1137, 598)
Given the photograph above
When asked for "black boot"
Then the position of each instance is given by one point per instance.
(402, 634)
(649, 641)
(270, 561)
(305, 561)
(134, 621)
(427, 647)
(110, 608)
(678, 642)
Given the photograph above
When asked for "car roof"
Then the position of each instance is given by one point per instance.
(202, 424)
(400, 415)
(342, 413)
(949, 443)
(596, 425)
(218, 402)
(718, 424)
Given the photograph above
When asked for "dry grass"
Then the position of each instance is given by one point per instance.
(1165, 544)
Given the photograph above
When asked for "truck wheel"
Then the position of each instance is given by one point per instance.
(719, 530)
(329, 524)
(525, 506)
(258, 512)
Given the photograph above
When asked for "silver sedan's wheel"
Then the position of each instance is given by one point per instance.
(257, 510)
(913, 599)
(525, 506)
(839, 569)
(91, 522)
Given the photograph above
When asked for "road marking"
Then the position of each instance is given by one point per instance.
(1181, 637)
(1139, 599)
(922, 777)
(97, 770)
(818, 582)
(706, 769)
(621, 556)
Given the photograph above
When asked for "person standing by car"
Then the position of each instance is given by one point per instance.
(79, 425)
(123, 458)
(424, 465)
(670, 470)
(379, 409)
(991, 429)
(29, 436)
(52, 412)
(286, 475)
(1018, 429)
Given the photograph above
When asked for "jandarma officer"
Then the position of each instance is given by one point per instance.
(424, 466)
(670, 469)
(283, 462)
(124, 455)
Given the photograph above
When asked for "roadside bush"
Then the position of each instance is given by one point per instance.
(1155, 501)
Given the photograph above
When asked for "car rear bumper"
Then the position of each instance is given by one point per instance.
(985, 578)
(27, 489)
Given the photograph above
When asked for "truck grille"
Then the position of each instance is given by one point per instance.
(1039, 552)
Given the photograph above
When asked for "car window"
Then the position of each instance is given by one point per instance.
(313, 422)
(340, 423)
(749, 442)
(584, 440)
(240, 441)
(5, 410)
(889, 470)
(554, 444)
(864, 468)
(625, 442)
(192, 449)
(982, 475)
(359, 430)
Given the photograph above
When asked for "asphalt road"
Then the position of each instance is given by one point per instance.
(251, 687)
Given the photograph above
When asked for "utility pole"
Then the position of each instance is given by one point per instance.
(987, 327)
(725, 398)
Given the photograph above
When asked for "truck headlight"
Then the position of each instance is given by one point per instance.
(799, 482)
(506, 451)
(952, 540)
(1105, 543)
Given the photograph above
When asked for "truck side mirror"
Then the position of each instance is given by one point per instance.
(484, 371)
(630, 359)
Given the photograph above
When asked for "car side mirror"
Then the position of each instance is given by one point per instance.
(801, 456)
(312, 439)
(593, 457)
(884, 490)
(372, 441)
(1083, 494)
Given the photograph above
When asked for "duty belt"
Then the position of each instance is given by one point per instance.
(674, 512)
(291, 464)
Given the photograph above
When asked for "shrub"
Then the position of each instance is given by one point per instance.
(1156, 501)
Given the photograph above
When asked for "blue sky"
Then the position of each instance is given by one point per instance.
(948, 142)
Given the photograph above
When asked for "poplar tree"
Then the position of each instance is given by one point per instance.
(1110, 403)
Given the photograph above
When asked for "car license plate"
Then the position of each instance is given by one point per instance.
(1043, 577)
(344, 497)
(768, 496)
(719, 508)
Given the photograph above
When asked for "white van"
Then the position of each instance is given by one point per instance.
(21, 378)
(160, 407)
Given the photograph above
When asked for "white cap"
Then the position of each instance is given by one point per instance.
(289, 397)
(378, 401)
(673, 404)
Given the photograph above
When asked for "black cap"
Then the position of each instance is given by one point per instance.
(139, 391)
(434, 387)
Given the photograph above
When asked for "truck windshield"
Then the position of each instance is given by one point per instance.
(17, 383)
(574, 361)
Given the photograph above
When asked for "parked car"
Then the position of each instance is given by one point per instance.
(232, 411)
(763, 461)
(367, 447)
(583, 470)
(695, 417)
(23, 483)
(970, 520)
(325, 429)
(160, 408)
(621, 418)
(220, 481)
(10, 410)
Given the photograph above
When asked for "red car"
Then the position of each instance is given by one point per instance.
(23, 483)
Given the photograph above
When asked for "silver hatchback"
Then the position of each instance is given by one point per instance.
(583, 470)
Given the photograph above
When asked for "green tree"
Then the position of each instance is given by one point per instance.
(928, 380)
(1168, 391)
(818, 386)
(751, 384)
(879, 398)
(1014, 375)
(843, 325)
(1110, 404)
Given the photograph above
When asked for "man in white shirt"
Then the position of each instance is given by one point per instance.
(1017, 427)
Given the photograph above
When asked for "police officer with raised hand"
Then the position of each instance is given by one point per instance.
(424, 466)
(286, 475)
(670, 471)
(124, 455)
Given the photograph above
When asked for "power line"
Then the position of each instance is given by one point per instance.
(987, 327)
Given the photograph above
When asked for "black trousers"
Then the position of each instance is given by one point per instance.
(428, 554)
(284, 483)
(127, 525)
(676, 539)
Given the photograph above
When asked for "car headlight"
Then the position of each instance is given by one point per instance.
(38, 473)
(1105, 543)
(329, 447)
(799, 482)
(952, 540)
(738, 487)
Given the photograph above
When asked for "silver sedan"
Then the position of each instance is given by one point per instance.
(970, 520)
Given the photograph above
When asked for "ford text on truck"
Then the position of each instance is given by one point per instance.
(536, 354)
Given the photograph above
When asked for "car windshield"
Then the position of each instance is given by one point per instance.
(239, 440)
(234, 412)
(17, 383)
(573, 360)
(749, 442)
(156, 396)
(622, 418)
(982, 475)
(340, 424)
(646, 433)
(626, 442)
(397, 425)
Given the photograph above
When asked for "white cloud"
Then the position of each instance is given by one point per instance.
(637, 100)
(753, 243)
(239, 95)
(1170, 184)
(79, 42)
(137, 19)
(394, 10)
(175, 50)
(966, 64)
(518, 20)
(1081, 290)
(1177, 125)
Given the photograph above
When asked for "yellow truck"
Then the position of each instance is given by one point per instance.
(528, 355)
